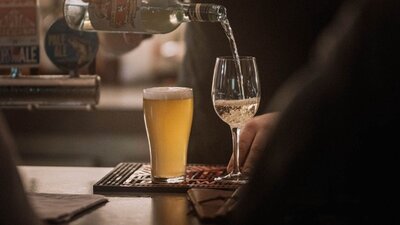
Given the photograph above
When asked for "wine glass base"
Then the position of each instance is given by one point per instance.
(232, 178)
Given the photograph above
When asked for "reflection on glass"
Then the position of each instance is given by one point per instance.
(169, 210)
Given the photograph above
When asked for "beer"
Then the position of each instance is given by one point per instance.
(168, 113)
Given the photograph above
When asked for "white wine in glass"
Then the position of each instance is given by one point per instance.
(236, 96)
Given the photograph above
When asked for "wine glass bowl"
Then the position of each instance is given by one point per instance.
(236, 96)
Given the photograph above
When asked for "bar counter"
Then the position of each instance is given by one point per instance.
(132, 208)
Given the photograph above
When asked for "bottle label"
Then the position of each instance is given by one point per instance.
(112, 14)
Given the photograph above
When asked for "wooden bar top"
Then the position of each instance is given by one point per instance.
(140, 209)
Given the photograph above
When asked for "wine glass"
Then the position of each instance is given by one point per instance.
(236, 96)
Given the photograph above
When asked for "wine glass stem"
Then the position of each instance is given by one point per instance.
(235, 148)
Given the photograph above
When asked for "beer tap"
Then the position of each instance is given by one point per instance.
(70, 51)
(49, 91)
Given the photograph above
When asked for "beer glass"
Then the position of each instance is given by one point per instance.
(168, 113)
(236, 96)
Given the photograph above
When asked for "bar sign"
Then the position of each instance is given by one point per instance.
(19, 33)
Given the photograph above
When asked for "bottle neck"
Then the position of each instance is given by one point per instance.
(204, 13)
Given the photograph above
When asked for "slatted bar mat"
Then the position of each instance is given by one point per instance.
(135, 177)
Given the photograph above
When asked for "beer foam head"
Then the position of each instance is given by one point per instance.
(165, 93)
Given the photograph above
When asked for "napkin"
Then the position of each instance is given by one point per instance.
(60, 208)
(212, 204)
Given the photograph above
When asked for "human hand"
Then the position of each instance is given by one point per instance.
(95, 1)
(120, 43)
(253, 139)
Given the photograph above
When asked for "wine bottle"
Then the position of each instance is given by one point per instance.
(138, 16)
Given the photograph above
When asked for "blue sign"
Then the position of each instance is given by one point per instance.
(70, 49)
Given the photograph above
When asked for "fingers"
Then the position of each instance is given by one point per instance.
(257, 147)
(253, 140)
(118, 44)
(134, 39)
(94, 1)
(247, 135)
(265, 126)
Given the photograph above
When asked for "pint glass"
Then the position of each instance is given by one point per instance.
(168, 113)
